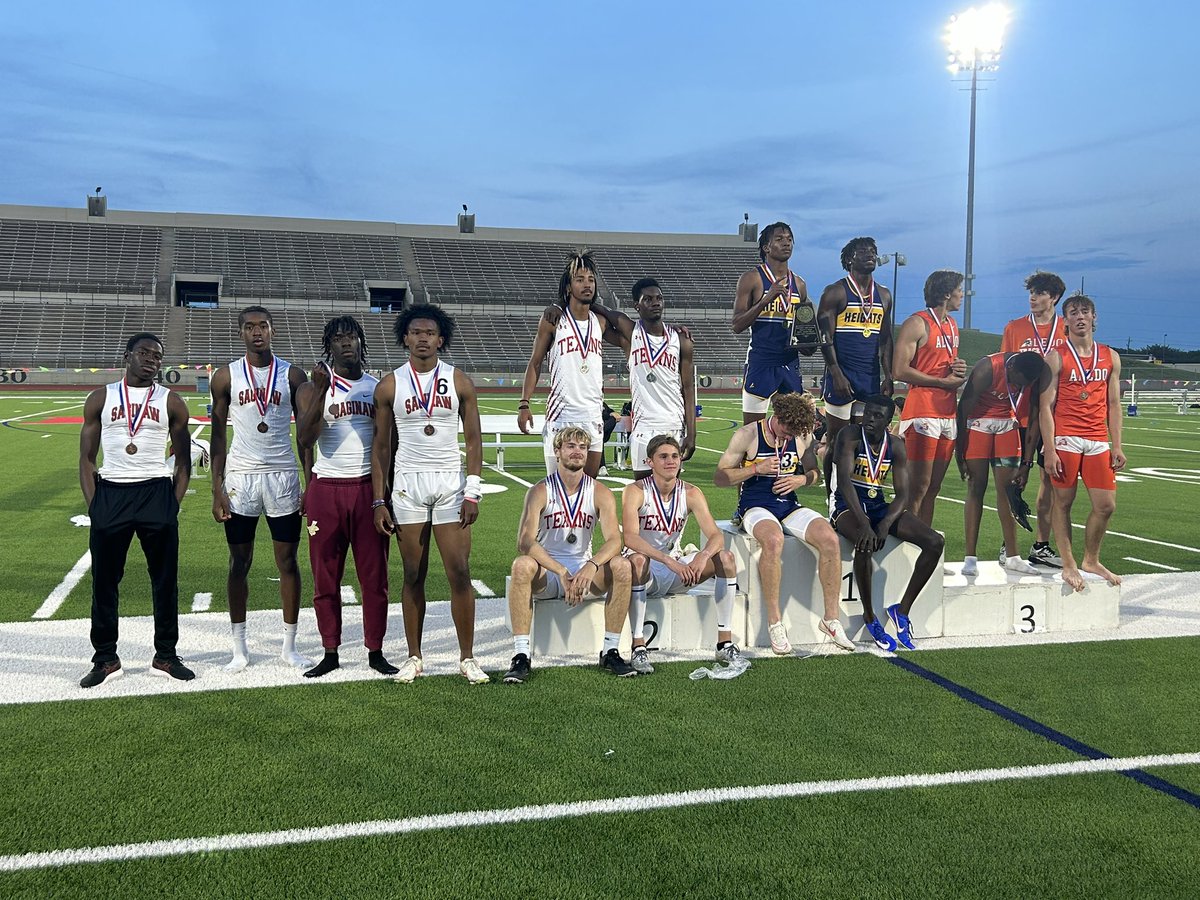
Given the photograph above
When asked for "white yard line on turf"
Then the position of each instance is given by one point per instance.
(51, 604)
(202, 601)
(552, 811)
(1121, 534)
(482, 589)
(44, 412)
(1146, 562)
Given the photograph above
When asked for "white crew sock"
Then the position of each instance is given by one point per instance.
(611, 640)
(521, 643)
(241, 656)
(289, 637)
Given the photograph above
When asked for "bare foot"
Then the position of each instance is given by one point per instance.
(1096, 569)
(1072, 577)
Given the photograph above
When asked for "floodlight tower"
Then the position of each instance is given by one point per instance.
(974, 39)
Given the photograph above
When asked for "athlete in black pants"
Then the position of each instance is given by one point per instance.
(135, 491)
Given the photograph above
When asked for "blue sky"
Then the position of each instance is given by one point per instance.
(643, 117)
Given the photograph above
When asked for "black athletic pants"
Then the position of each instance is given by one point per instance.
(119, 511)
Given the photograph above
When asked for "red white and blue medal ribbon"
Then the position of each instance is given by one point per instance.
(272, 376)
(1043, 346)
(560, 491)
(665, 514)
(585, 341)
(424, 398)
(337, 382)
(1085, 374)
(874, 466)
(1008, 390)
(655, 355)
(866, 303)
(132, 422)
(771, 279)
(945, 337)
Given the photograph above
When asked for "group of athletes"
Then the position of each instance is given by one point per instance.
(381, 457)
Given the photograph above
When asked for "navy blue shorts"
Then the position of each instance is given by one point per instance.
(763, 381)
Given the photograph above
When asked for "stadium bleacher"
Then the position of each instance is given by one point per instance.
(64, 256)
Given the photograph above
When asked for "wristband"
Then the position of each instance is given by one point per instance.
(473, 489)
(375, 504)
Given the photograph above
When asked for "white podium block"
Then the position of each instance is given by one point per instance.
(997, 601)
(686, 622)
(561, 630)
(801, 602)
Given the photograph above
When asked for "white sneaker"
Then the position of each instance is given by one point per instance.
(640, 660)
(780, 645)
(468, 667)
(970, 566)
(411, 669)
(1019, 565)
(731, 654)
(603, 471)
(832, 628)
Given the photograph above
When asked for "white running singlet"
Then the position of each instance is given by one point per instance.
(420, 403)
(252, 450)
(344, 445)
(576, 395)
(151, 440)
(659, 525)
(558, 524)
(657, 403)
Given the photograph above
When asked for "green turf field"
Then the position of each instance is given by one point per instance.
(131, 770)
(40, 494)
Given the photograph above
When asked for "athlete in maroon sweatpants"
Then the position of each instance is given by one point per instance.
(336, 413)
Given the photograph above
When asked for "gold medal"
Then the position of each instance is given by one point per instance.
(873, 493)
(1083, 395)
(866, 332)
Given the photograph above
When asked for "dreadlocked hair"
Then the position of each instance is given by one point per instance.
(580, 259)
(344, 325)
(851, 248)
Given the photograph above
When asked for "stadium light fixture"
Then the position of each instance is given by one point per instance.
(897, 260)
(974, 39)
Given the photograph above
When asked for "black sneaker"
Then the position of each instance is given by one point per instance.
(102, 672)
(172, 667)
(1044, 555)
(612, 662)
(519, 673)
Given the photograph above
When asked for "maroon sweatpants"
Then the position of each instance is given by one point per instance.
(340, 509)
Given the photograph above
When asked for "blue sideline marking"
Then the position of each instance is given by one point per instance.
(1064, 740)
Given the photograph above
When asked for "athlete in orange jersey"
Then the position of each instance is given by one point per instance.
(1001, 389)
(926, 357)
(1042, 330)
(1080, 416)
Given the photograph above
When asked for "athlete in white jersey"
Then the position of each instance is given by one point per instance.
(574, 344)
(256, 475)
(419, 407)
(337, 416)
(135, 491)
(654, 513)
(554, 541)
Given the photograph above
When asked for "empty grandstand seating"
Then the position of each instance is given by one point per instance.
(59, 335)
(528, 272)
(289, 264)
(62, 257)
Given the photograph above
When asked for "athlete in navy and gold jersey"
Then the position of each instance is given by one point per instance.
(865, 456)
(856, 344)
(769, 460)
(764, 301)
